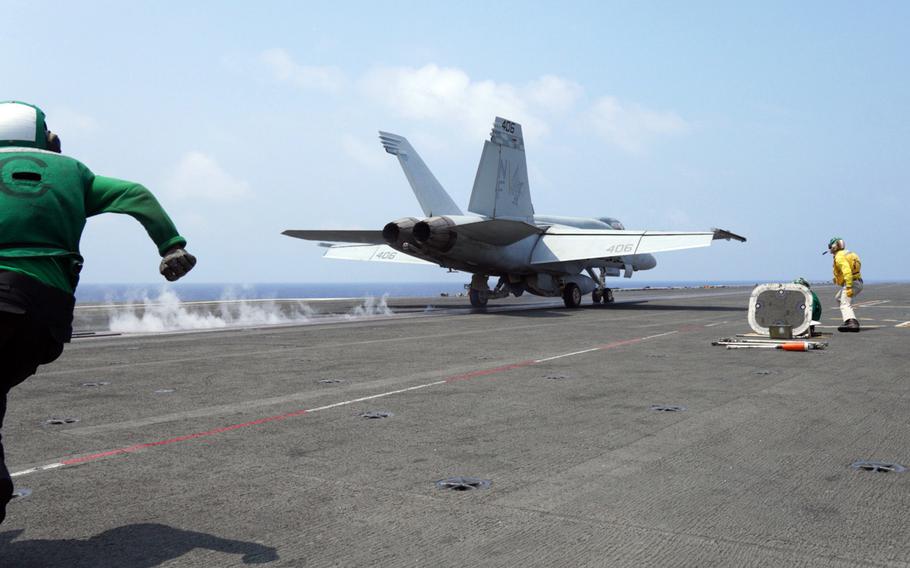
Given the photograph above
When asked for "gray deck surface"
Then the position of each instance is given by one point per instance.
(756, 471)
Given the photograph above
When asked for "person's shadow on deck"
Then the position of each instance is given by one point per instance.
(143, 545)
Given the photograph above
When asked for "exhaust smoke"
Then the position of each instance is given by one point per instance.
(167, 312)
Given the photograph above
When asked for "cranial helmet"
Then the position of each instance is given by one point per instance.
(22, 124)
(836, 244)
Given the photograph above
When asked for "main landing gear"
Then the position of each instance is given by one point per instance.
(571, 295)
(601, 293)
(480, 292)
(605, 296)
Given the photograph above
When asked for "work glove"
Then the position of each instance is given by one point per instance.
(849, 292)
(176, 263)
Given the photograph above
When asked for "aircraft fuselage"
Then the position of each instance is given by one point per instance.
(437, 241)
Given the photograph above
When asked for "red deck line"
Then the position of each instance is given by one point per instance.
(178, 439)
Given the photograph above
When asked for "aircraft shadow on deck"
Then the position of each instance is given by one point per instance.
(528, 312)
(142, 545)
(646, 305)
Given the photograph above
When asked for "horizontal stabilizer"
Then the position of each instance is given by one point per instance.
(372, 253)
(344, 236)
(566, 244)
(429, 192)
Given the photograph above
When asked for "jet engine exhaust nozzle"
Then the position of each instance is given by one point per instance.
(435, 233)
(399, 232)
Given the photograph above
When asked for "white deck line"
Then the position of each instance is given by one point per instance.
(58, 465)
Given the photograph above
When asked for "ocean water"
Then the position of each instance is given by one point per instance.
(109, 293)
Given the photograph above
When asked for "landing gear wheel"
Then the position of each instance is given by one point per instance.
(597, 296)
(571, 295)
(478, 298)
(608, 297)
(517, 291)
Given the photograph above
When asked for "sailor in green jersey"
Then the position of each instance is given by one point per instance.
(816, 303)
(45, 198)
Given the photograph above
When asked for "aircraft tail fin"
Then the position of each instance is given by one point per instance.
(501, 184)
(432, 197)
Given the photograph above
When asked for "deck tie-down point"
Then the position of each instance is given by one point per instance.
(376, 414)
(463, 483)
(667, 408)
(61, 421)
(878, 467)
(21, 493)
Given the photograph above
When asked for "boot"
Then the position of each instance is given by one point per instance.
(851, 325)
(6, 493)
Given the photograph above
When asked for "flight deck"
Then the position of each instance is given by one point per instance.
(433, 434)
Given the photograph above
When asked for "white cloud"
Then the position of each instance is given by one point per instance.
(309, 77)
(366, 154)
(632, 126)
(448, 94)
(198, 175)
(555, 93)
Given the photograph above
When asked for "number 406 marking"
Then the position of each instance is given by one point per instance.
(620, 249)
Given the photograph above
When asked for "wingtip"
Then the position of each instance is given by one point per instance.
(723, 234)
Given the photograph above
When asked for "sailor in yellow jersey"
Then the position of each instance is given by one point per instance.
(846, 274)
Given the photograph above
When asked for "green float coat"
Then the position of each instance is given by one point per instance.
(45, 199)
(816, 307)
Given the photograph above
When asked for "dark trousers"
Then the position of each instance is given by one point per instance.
(25, 343)
(35, 321)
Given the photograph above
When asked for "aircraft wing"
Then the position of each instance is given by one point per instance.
(567, 244)
(352, 236)
(372, 253)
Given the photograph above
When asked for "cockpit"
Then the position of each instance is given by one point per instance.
(614, 223)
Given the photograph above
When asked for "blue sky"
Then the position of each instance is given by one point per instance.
(785, 122)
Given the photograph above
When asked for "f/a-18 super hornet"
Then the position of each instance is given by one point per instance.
(501, 236)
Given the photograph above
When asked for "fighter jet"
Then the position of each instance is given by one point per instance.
(501, 236)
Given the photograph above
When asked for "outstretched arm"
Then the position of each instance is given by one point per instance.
(111, 195)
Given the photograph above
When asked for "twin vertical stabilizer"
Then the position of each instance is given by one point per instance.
(500, 187)
(501, 184)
